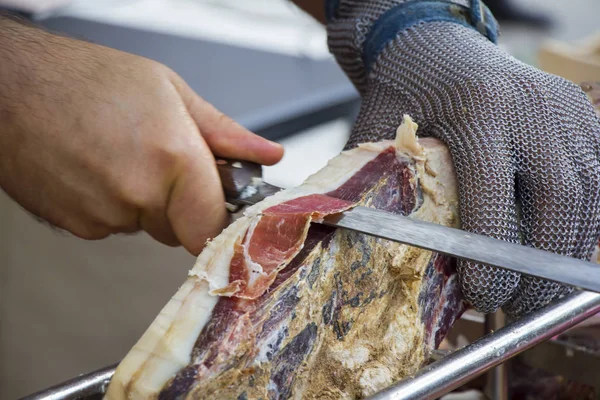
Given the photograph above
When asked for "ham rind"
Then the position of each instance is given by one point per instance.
(325, 313)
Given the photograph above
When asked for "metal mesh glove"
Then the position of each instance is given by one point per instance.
(516, 134)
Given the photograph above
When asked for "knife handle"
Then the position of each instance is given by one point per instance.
(236, 175)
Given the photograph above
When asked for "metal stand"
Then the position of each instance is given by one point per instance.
(434, 380)
(493, 349)
(497, 378)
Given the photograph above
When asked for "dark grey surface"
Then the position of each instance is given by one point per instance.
(271, 94)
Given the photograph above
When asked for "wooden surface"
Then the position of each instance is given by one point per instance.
(577, 61)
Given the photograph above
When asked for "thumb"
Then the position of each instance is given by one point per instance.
(196, 204)
(224, 136)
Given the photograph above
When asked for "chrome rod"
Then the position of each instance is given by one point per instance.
(497, 378)
(465, 364)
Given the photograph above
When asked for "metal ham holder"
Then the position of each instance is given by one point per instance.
(443, 375)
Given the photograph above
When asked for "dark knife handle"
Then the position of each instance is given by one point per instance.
(235, 176)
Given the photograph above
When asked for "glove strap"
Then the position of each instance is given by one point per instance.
(410, 13)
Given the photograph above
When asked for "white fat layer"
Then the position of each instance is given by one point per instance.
(271, 339)
(406, 138)
(350, 358)
(212, 265)
(167, 345)
(374, 379)
(143, 349)
(173, 351)
(256, 270)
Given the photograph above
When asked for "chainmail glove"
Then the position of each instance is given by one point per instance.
(517, 136)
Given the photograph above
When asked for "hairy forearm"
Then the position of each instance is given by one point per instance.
(18, 43)
(316, 8)
(32, 67)
(27, 53)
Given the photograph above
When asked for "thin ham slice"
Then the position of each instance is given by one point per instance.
(274, 240)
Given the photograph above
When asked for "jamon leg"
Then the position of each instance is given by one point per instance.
(335, 314)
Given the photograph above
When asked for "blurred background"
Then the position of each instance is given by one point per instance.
(68, 306)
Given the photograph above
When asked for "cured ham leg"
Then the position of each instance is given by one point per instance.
(278, 307)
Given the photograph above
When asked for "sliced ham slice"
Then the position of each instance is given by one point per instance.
(273, 241)
(278, 307)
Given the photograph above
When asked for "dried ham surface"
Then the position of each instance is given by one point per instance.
(277, 307)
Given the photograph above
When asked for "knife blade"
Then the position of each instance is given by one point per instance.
(470, 246)
(243, 185)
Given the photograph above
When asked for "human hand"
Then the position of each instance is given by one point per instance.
(97, 141)
(517, 136)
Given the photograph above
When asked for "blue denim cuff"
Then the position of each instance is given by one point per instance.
(331, 7)
(410, 13)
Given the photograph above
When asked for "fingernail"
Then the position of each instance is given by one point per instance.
(276, 145)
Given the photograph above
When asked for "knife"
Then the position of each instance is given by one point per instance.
(243, 185)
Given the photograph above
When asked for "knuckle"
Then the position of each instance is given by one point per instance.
(223, 119)
(114, 223)
(173, 154)
(131, 192)
(158, 69)
(111, 216)
(163, 78)
(168, 75)
(147, 187)
(141, 196)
